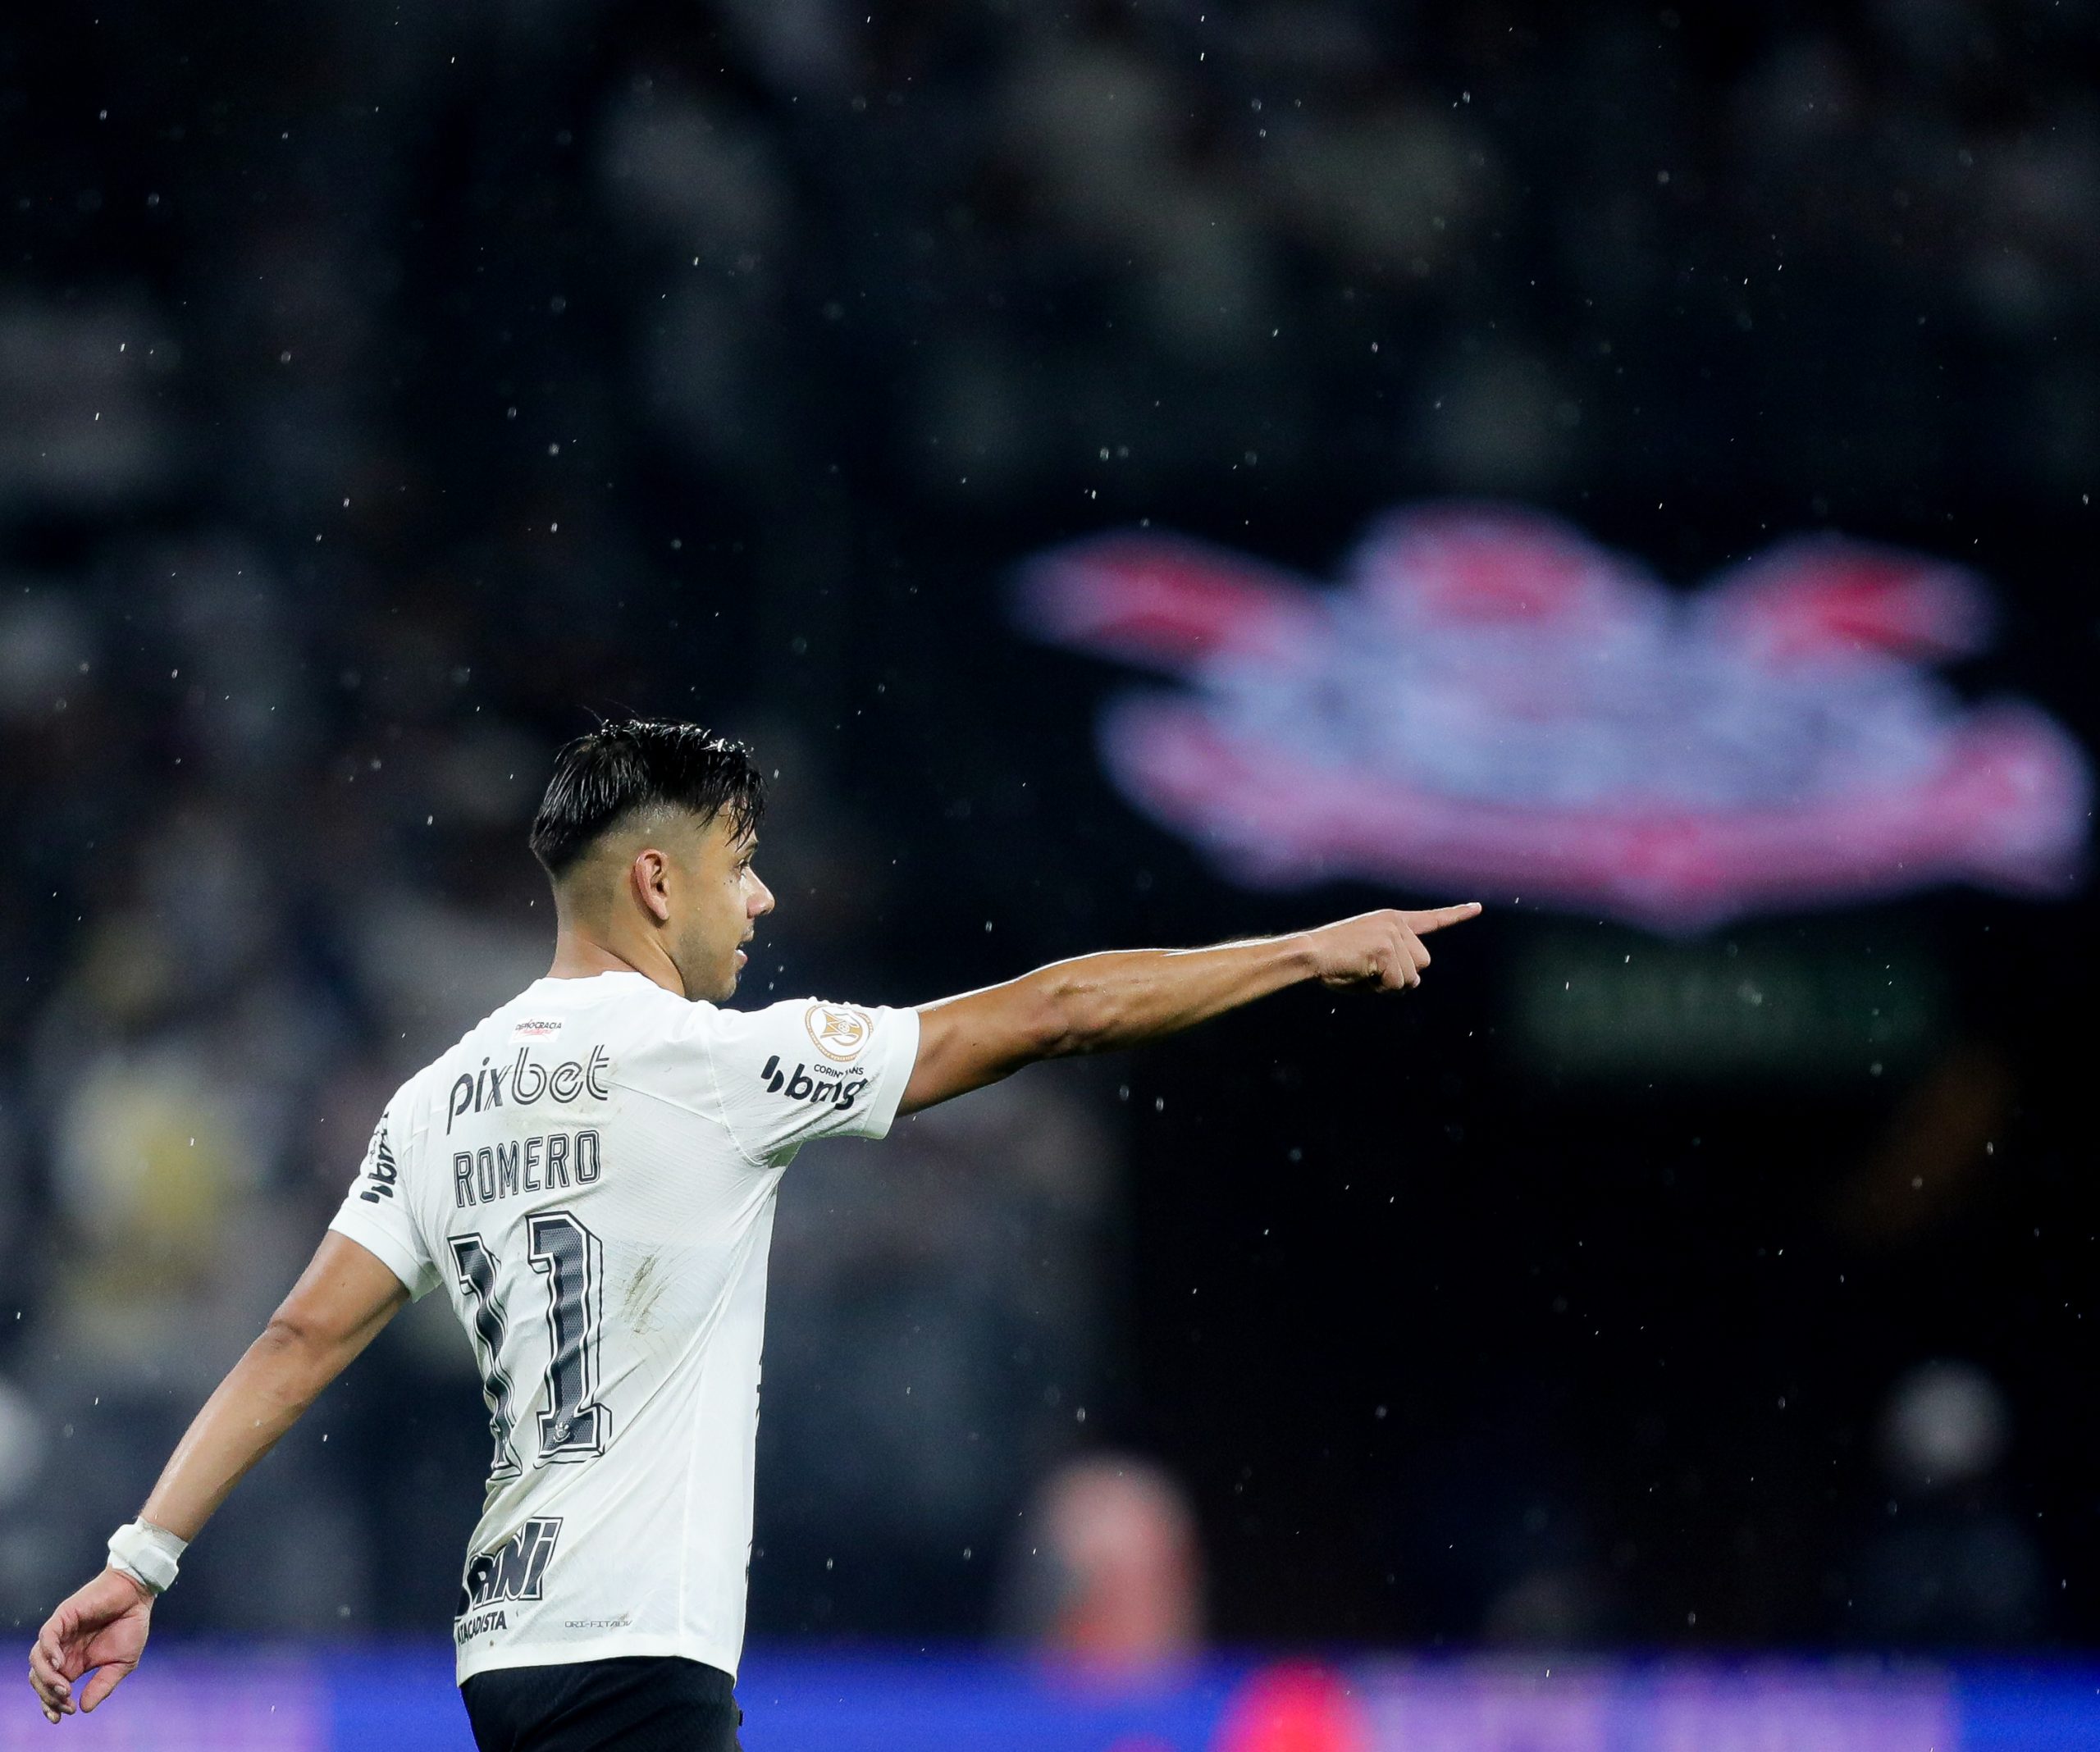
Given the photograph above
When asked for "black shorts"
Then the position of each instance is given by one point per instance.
(636, 1704)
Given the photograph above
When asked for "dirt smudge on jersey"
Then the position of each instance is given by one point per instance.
(645, 1289)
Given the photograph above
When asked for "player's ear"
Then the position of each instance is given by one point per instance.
(649, 878)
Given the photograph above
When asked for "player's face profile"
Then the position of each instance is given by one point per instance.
(721, 904)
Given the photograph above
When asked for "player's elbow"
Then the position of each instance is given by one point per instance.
(297, 1338)
(290, 1334)
(1075, 1017)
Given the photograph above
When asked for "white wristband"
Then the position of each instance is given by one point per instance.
(149, 1555)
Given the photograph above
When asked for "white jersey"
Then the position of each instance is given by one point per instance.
(590, 1176)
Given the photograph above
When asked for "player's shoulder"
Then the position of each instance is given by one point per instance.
(549, 1010)
(828, 1034)
(819, 1029)
(537, 1016)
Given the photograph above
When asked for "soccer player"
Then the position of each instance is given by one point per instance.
(589, 1176)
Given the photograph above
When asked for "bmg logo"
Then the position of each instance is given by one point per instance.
(798, 1084)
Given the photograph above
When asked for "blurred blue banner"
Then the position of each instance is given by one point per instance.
(403, 1700)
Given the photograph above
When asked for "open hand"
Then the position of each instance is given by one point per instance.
(100, 1630)
(1383, 950)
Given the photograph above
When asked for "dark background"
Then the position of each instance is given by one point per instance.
(387, 390)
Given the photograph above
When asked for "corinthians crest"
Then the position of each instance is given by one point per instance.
(1493, 699)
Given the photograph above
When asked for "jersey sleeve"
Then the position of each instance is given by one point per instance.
(376, 1213)
(807, 1069)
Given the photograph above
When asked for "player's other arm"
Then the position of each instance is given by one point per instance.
(1097, 1003)
(337, 1307)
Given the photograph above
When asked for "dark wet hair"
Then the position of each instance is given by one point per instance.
(602, 778)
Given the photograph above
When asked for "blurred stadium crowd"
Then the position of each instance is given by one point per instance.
(384, 388)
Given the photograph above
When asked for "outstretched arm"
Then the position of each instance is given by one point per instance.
(1097, 1003)
(336, 1308)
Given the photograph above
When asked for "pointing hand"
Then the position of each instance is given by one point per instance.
(1382, 951)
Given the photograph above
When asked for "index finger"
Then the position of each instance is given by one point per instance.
(1437, 917)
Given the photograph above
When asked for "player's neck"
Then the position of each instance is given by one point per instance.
(580, 956)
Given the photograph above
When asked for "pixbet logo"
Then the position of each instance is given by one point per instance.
(525, 1080)
(826, 1085)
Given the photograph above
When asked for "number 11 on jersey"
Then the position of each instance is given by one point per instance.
(574, 1425)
